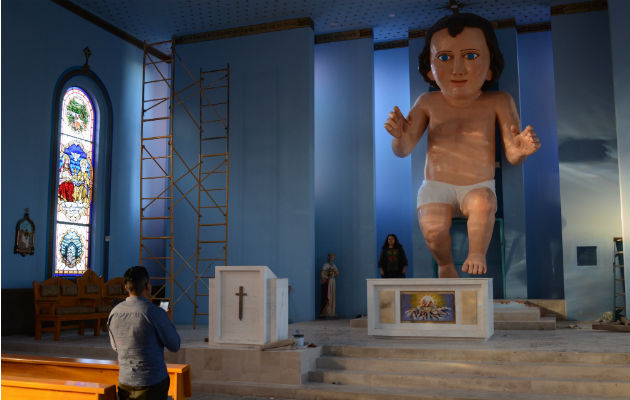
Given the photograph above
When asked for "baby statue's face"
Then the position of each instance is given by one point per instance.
(460, 65)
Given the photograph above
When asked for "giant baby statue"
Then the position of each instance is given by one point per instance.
(461, 57)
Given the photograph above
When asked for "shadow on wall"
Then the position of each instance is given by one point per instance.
(587, 150)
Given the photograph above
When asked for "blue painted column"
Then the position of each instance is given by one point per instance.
(512, 180)
(540, 171)
(619, 14)
(271, 203)
(589, 170)
(422, 259)
(344, 168)
(395, 205)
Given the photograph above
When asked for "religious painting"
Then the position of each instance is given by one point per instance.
(75, 183)
(24, 236)
(77, 117)
(427, 307)
(74, 192)
(71, 249)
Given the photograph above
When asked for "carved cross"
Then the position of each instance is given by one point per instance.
(87, 54)
(240, 295)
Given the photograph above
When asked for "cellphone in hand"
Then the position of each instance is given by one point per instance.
(164, 305)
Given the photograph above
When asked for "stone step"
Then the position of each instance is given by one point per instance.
(444, 354)
(619, 373)
(582, 387)
(544, 324)
(324, 391)
(525, 314)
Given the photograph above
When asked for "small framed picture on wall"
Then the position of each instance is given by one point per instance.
(24, 236)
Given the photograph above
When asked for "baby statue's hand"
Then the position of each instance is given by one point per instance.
(526, 141)
(396, 124)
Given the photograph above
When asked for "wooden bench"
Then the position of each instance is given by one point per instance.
(84, 369)
(26, 387)
(57, 300)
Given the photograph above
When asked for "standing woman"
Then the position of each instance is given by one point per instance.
(393, 261)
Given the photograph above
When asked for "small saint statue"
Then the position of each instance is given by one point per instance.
(327, 280)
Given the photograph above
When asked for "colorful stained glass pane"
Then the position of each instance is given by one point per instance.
(74, 193)
(71, 249)
(75, 183)
(77, 114)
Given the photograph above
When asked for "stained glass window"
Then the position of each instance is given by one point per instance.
(75, 183)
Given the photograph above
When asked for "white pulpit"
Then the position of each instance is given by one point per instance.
(248, 306)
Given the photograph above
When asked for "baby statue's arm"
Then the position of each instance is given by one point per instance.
(407, 132)
(517, 145)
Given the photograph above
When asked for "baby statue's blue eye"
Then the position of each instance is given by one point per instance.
(471, 56)
(444, 57)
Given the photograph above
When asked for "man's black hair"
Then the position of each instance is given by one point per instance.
(455, 24)
(136, 279)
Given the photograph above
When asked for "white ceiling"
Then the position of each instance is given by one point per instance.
(159, 20)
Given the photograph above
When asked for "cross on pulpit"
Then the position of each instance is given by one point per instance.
(240, 295)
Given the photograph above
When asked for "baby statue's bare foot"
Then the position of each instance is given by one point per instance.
(475, 264)
(447, 271)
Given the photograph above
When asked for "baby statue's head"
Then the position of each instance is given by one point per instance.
(454, 25)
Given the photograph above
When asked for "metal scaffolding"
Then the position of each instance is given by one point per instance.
(170, 179)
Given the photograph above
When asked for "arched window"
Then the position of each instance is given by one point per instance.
(75, 183)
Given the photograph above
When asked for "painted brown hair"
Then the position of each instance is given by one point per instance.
(455, 24)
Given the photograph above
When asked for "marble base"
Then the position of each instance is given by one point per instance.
(453, 307)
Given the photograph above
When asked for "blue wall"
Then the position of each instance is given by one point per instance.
(41, 40)
(512, 181)
(344, 168)
(540, 172)
(587, 143)
(271, 206)
(303, 178)
(619, 13)
(394, 208)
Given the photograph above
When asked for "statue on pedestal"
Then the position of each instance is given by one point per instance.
(327, 280)
(461, 58)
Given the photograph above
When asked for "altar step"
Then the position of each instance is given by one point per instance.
(326, 391)
(382, 373)
(510, 316)
(476, 374)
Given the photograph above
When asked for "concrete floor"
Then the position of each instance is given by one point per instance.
(570, 336)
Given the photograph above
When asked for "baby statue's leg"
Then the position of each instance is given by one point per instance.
(435, 224)
(479, 206)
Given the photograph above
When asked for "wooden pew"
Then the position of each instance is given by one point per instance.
(90, 370)
(27, 387)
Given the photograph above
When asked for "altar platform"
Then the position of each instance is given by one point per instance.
(570, 362)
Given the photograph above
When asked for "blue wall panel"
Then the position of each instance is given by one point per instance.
(344, 168)
(540, 172)
(271, 207)
(395, 208)
(422, 259)
(619, 14)
(512, 181)
(587, 144)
